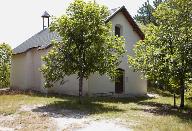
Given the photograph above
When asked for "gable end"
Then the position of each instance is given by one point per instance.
(129, 19)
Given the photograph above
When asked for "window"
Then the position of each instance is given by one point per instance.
(117, 31)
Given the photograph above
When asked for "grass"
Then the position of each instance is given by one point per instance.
(9, 104)
(136, 113)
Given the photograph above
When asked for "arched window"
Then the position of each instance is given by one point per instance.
(118, 30)
(119, 81)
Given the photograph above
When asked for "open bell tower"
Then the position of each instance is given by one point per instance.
(45, 16)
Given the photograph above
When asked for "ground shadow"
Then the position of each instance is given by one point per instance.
(123, 100)
(161, 92)
(9, 91)
(73, 109)
(107, 99)
(167, 109)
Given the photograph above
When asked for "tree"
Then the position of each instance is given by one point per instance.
(88, 45)
(145, 13)
(166, 52)
(5, 62)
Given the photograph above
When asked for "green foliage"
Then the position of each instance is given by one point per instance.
(145, 13)
(5, 62)
(188, 92)
(166, 53)
(88, 44)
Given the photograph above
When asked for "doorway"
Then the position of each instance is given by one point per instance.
(119, 81)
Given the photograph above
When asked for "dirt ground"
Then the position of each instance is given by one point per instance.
(32, 111)
(38, 117)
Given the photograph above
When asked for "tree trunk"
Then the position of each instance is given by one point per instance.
(80, 89)
(182, 92)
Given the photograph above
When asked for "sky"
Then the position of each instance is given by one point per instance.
(21, 19)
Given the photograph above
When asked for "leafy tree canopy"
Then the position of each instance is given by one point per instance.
(166, 52)
(145, 13)
(88, 44)
(5, 62)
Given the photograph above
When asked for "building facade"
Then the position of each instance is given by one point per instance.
(26, 63)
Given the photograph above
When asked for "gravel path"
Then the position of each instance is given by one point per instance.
(104, 125)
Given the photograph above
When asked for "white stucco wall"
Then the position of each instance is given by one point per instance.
(25, 72)
(70, 86)
(100, 84)
(18, 71)
(133, 84)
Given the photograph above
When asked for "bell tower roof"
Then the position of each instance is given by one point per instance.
(45, 15)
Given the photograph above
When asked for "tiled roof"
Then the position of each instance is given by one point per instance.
(43, 39)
